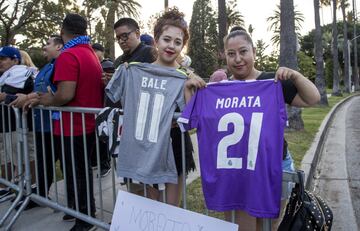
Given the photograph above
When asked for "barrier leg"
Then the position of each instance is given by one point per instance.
(23, 151)
(12, 207)
(266, 224)
(17, 214)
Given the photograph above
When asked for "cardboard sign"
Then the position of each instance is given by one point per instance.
(137, 213)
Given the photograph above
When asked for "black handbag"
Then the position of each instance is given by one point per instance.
(306, 211)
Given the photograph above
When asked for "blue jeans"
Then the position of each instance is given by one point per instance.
(287, 165)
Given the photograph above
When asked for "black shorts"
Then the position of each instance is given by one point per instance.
(176, 145)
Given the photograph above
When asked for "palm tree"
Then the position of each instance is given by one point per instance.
(288, 57)
(336, 85)
(251, 29)
(356, 70)
(117, 8)
(234, 17)
(319, 79)
(275, 24)
(166, 4)
(222, 21)
(227, 17)
(343, 5)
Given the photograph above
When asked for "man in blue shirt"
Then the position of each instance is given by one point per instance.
(43, 83)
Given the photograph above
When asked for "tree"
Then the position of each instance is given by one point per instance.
(343, 5)
(203, 41)
(227, 16)
(251, 29)
(288, 57)
(166, 4)
(99, 32)
(18, 18)
(222, 25)
(307, 46)
(355, 66)
(320, 78)
(336, 81)
(234, 18)
(152, 21)
(260, 58)
(263, 61)
(306, 65)
(15, 21)
(91, 8)
(275, 24)
(35, 20)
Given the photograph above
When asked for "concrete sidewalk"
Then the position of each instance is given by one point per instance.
(329, 177)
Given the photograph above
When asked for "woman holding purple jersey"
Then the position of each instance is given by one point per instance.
(297, 90)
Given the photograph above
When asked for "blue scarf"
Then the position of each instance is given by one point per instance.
(84, 39)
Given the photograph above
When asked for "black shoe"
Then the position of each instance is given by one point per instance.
(5, 192)
(21, 199)
(30, 205)
(82, 226)
(104, 172)
(68, 217)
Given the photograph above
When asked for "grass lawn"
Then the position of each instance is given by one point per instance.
(299, 142)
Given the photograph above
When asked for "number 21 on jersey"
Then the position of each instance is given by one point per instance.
(223, 161)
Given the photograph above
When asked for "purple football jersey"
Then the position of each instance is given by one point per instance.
(240, 131)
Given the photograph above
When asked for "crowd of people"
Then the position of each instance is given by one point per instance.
(150, 81)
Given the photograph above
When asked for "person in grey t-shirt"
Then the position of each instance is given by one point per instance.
(149, 94)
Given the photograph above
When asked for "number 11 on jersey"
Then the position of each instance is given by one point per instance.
(142, 116)
(223, 161)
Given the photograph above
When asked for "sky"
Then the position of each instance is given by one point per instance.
(255, 12)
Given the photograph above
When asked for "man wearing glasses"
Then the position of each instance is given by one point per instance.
(127, 33)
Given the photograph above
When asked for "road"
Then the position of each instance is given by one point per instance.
(337, 177)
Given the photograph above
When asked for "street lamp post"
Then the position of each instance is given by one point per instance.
(349, 52)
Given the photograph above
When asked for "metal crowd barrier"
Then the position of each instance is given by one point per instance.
(53, 198)
(13, 179)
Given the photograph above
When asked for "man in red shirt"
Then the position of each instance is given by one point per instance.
(78, 80)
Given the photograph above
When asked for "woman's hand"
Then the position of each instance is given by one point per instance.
(284, 73)
(192, 84)
(307, 93)
(195, 82)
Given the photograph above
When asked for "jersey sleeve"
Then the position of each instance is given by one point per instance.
(282, 107)
(288, 87)
(289, 91)
(115, 88)
(67, 68)
(189, 118)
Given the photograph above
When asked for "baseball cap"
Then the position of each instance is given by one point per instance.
(107, 66)
(98, 47)
(10, 52)
(147, 39)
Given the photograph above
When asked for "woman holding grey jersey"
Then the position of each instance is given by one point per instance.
(161, 91)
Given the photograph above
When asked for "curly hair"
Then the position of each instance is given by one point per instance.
(172, 17)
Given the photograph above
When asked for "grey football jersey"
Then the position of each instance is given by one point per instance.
(149, 94)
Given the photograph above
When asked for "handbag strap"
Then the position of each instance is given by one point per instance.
(300, 184)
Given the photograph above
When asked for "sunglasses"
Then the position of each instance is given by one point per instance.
(124, 36)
